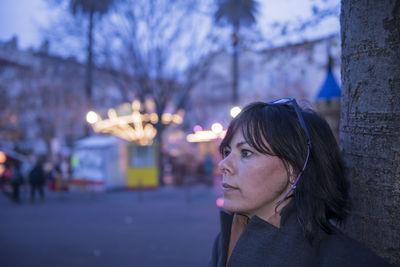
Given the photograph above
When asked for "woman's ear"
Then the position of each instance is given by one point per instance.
(291, 175)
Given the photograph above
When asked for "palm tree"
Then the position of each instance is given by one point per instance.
(89, 8)
(236, 13)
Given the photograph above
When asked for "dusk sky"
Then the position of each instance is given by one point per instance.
(26, 18)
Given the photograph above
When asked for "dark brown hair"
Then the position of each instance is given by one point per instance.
(322, 193)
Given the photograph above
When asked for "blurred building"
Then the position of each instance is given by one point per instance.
(293, 70)
(42, 98)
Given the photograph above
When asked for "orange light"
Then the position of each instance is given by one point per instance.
(2, 169)
(3, 157)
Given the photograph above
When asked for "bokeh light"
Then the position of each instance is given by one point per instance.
(220, 202)
(217, 128)
(235, 111)
(3, 157)
(91, 117)
(197, 128)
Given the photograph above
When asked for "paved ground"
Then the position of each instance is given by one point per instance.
(167, 227)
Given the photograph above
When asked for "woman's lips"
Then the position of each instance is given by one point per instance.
(227, 187)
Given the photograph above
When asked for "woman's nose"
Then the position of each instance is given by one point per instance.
(225, 166)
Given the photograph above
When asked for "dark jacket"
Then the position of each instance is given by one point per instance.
(37, 176)
(262, 244)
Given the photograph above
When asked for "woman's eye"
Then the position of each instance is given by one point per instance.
(246, 153)
(225, 153)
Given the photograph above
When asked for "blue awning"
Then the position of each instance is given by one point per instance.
(330, 89)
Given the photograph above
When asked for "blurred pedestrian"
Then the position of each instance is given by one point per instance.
(53, 175)
(285, 192)
(180, 168)
(209, 169)
(16, 180)
(37, 179)
(5, 176)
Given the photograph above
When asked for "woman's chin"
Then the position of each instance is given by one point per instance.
(230, 206)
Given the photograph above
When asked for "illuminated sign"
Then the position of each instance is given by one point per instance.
(216, 132)
(135, 127)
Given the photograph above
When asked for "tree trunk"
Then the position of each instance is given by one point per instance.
(370, 121)
(235, 67)
(160, 158)
(89, 68)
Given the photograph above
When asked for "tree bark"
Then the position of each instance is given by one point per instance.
(89, 61)
(89, 69)
(235, 67)
(370, 121)
(160, 129)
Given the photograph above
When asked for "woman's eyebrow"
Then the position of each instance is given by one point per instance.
(239, 144)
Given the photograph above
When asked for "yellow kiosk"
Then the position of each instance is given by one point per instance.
(142, 166)
(135, 124)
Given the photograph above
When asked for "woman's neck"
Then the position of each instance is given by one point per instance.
(271, 215)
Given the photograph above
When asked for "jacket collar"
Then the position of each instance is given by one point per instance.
(288, 212)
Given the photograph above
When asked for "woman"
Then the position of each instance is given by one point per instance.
(284, 190)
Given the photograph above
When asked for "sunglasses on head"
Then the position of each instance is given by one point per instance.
(287, 101)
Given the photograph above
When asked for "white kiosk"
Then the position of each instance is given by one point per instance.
(99, 164)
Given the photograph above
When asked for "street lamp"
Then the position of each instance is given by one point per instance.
(216, 128)
(235, 111)
(92, 117)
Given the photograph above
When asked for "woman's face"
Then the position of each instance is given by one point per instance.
(253, 183)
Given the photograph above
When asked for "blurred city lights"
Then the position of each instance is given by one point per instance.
(3, 157)
(166, 118)
(235, 111)
(150, 105)
(91, 117)
(177, 119)
(133, 126)
(217, 128)
(201, 135)
(136, 105)
(153, 118)
(197, 128)
(112, 113)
